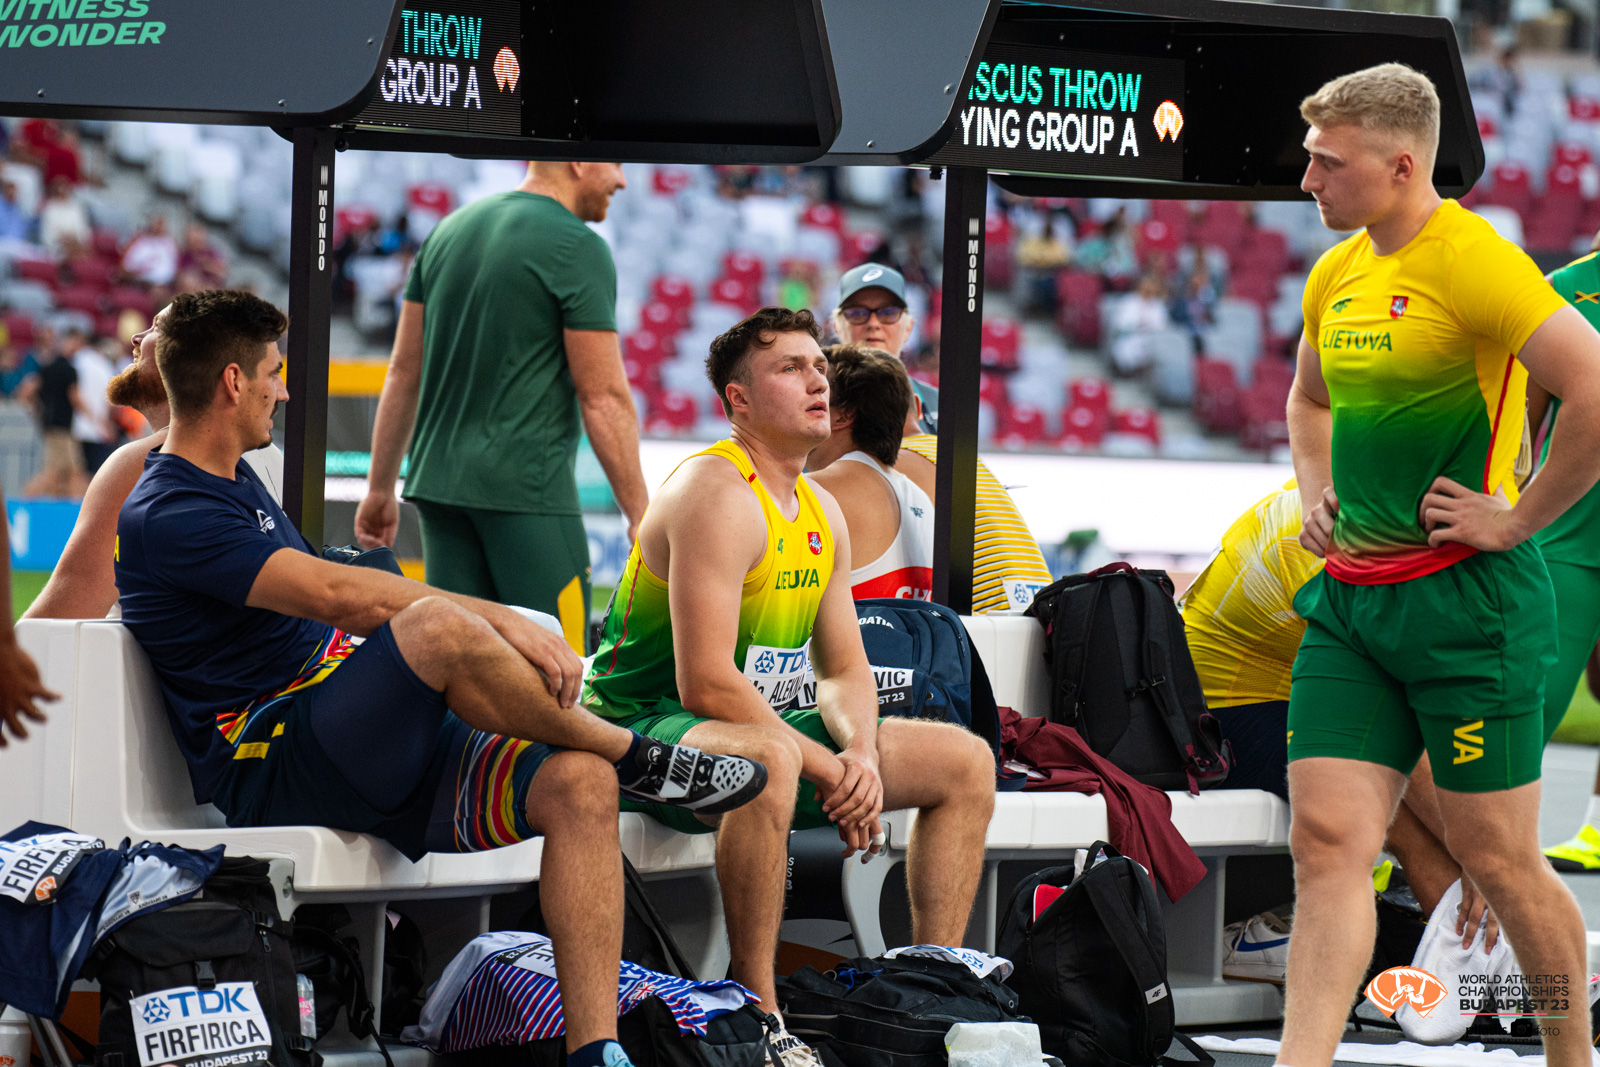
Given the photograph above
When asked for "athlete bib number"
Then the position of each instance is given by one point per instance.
(34, 869)
(779, 674)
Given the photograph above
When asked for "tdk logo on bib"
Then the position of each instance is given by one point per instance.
(777, 673)
(191, 1027)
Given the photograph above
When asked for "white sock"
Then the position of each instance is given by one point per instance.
(1592, 816)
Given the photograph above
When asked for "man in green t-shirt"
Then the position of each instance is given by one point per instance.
(1571, 548)
(518, 343)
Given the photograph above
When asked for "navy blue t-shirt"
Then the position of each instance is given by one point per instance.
(189, 547)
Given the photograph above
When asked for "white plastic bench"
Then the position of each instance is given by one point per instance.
(106, 764)
(1048, 827)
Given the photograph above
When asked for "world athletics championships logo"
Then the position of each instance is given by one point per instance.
(1406, 985)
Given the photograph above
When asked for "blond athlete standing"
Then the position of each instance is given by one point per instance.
(1434, 622)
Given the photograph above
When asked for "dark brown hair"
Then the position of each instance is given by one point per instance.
(873, 386)
(726, 362)
(204, 332)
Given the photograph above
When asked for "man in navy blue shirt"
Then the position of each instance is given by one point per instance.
(452, 727)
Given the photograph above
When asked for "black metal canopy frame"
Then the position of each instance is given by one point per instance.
(1129, 98)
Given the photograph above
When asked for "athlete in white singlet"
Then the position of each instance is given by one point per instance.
(889, 516)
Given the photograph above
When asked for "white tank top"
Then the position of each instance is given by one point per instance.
(905, 570)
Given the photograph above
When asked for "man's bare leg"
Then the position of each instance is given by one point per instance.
(753, 850)
(489, 684)
(1495, 837)
(573, 803)
(948, 774)
(1428, 865)
(1342, 808)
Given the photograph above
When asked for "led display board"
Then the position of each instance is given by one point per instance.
(455, 66)
(1039, 110)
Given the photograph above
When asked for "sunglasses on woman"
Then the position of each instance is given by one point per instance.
(858, 316)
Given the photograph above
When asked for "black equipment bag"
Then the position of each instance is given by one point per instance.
(212, 979)
(1121, 675)
(890, 1012)
(923, 665)
(1092, 970)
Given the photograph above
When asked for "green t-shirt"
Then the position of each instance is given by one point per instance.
(1575, 535)
(497, 415)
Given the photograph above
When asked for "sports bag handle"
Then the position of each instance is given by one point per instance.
(1126, 931)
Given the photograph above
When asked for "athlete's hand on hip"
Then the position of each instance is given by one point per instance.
(549, 652)
(19, 688)
(1317, 526)
(1452, 512)
(377, 519)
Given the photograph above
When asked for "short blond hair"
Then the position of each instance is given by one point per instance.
(1391, 99)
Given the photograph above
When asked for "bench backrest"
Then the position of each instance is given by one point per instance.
(1012, 648)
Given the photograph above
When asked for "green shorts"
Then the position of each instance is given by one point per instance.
(1453, 662)
(532, 561)
(1578, 623)
(668, 721)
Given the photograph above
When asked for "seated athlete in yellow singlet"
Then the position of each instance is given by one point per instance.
(738, 586)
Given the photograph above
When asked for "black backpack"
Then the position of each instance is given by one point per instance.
(889, 1012)
(1121, 675)
(211, 978)
(1092, 971)
(923, 665)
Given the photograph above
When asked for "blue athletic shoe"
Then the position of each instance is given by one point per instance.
(1257, 950)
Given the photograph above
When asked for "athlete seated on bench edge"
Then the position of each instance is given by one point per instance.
(453, 727)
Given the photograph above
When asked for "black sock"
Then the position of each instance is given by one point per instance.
(628, 769)
(593, 1054)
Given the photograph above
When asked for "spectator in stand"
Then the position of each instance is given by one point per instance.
(201, 264)
(64, 159)
(14, 222)
(397, 239)
(16, 368)
(1039, 256)
(63, 219)
(63, 473)
(506, 349)
(1134, 317)
(1111, 253)
(91, 421)
(151, 258)
(1008, 567)
(1196, 302)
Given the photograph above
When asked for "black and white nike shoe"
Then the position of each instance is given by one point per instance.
(700, 782)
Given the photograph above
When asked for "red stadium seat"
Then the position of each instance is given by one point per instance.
(1158, 235)
(1487, 127)
(19, 327)
(1083, 427)
(1512, 188)
(352, 217)
(81, 298)
(92, 273)
(1261, 251)
(1141, 422)
(42, 271)
(660, 319)
(128, 298)
(436, 197)
(1265, 423)
(992, 391)
(674, 412)
(735, 293)
(644, 347)
(1584, 108)
(857, 248)
(1564, 180)
(107, 245)
(744, 267)
(1078, 313)
(1216, 396)
(1572, 154)
(107, 323)
(1020, 426)
(997, 255)
(673, 291)
(1276, 373)
(1091, 393)
(1175, 213)
(1000, 343)
(824, 216)
(1224, 225)
(669, 181)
